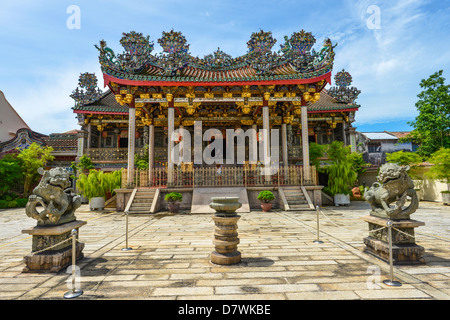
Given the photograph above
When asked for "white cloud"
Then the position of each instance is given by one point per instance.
(46, 106)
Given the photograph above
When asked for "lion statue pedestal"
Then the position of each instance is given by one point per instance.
(52, 245)
(394, 185)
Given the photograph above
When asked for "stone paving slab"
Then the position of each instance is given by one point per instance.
(169, 259)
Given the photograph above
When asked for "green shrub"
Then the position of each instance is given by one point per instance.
(266, 196)
(13, 203)
(173, 197)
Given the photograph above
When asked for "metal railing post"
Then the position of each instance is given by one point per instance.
(74, 292)
(391, 281)
(127, 248)
(318, 232)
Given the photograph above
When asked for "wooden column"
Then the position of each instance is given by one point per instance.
(305, 144)
(131, 143)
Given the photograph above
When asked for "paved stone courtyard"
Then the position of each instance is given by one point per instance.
(170, 258)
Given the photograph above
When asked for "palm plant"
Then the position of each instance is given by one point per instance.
(98, 183)
(341, 172)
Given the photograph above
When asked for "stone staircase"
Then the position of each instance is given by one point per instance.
(142, 201)
(295, 198)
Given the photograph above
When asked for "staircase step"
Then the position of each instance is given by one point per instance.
(298, 195)
(146, 200)
(295, 203)
(300, 207)
(141, 204)
(138, 211)
(144, 195)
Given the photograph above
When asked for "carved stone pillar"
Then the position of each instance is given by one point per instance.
(131, 145)
(305, 144)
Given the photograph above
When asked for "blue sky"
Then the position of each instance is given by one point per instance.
(41, 58)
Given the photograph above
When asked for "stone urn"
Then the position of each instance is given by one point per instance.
(225, 206)
(97, 203)
(225, 235)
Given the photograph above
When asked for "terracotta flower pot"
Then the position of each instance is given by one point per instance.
(266, 206)
(173, 207)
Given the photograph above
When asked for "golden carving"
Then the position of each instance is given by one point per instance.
(157, 95)
(246, 109)
(139, 104)
(246, 92)
(278, 94)
(128, 98)
(247, 122)
(190, 110)
(119, 99)
(315, 97)
(306, 96)
(266, 95)
(190, 93)
(209, 95)
(290, 94)
(144, 96)
(288, 119)
(298, 110)
(188, 123)
(228, 95)
(169, 97)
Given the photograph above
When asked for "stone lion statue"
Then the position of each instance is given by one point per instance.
(58, 201)
(394, 185)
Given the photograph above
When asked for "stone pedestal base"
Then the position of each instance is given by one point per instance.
(52, 261)
(404, 248)
(57, 257)
(226, 241)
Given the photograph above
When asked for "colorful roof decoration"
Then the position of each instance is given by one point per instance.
(295, 60)
(343, 93)
(328, 103)
(106, 104)
(87, 89)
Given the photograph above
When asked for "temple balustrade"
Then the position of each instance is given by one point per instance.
(189, 176)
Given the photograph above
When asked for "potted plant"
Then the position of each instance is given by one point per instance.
(174, 199)
(266, 197)
(441, 170)
(97, 185)
(342, 173)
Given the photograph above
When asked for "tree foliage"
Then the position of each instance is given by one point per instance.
(441, 166)
(10, 172)
(33, 157)
(432, 125)
(403, 158)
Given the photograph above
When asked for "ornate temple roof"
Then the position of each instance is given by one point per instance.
(295, 61)
(102, 104)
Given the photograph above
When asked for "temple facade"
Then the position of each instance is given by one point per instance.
(181, 115)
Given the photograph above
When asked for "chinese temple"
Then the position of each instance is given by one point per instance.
(150, 95)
